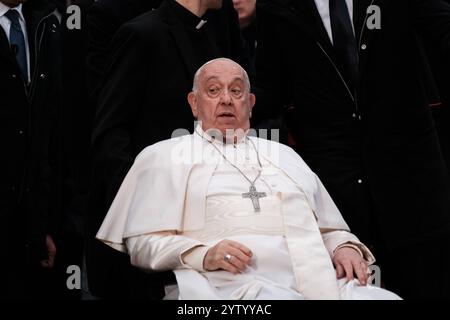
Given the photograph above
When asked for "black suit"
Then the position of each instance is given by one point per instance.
(375, 148)
(143, 99)
(29, 115)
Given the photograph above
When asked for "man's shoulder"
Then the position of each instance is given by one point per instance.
(148, 25)
(163, 149)
(34, 11)
(271, 143)
(279, 153)
(116, 13)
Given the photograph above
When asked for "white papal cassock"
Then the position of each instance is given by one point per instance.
(181, 197)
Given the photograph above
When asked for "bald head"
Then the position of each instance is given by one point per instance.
(222, 62)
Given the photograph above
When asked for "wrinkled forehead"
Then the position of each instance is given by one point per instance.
(222, 70)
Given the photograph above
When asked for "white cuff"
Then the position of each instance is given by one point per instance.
(362, 250)
(193, 257)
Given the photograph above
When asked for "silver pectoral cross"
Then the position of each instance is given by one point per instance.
(254, 196)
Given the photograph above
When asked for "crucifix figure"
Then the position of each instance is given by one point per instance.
(254, 196)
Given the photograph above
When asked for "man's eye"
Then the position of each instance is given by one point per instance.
(236, 92)
(213, 90)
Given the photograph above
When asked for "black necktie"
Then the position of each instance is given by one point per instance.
(344, 41)
(17, 42)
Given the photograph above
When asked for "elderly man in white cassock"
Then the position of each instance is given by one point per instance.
(234, 216)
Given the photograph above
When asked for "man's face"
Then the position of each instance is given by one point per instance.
(223, 100)
(246, 10)
(12, 3)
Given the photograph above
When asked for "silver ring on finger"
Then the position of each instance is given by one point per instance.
(227, 258)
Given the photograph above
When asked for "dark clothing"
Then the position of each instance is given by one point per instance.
(104, 18)
(441, 111)
(29, 115)
(375, 148)
(201, 40)
(440, 66)
(142, 101)
(249, 38)
(75, 132)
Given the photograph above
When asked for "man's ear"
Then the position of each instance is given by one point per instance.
(252, 99)
(192, 99)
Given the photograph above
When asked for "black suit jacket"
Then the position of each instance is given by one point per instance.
(375, 149)
(142, 101)
(29, 116)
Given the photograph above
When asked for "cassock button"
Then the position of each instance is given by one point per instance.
(354, 115)
(359, 181)
(14, 76)
(42, 76)
(20, 131)
(363, 46)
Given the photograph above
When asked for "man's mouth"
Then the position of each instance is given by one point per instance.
(226, 115)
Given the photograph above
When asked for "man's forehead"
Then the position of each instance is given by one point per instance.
(222, 70)
(213, 77)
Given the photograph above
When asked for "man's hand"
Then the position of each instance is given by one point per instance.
(51, 253)
(348, 262)
(240, 257)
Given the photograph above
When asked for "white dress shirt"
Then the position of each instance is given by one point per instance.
(6, 25)
(323, 6)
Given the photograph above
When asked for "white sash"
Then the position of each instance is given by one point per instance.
(313, 268)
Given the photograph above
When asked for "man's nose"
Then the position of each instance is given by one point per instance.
(225, 97)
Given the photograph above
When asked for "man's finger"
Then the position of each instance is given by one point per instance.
(234, 260)
(239, 254)
(339, 271)
(360, 272)
(241, 247)
(348, 270)
(227, 266)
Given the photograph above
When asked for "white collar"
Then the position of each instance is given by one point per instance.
(209, 136)
(200, 24)
(4, 9)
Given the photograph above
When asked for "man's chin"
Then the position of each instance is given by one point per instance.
(216, 5)
(223, 127)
